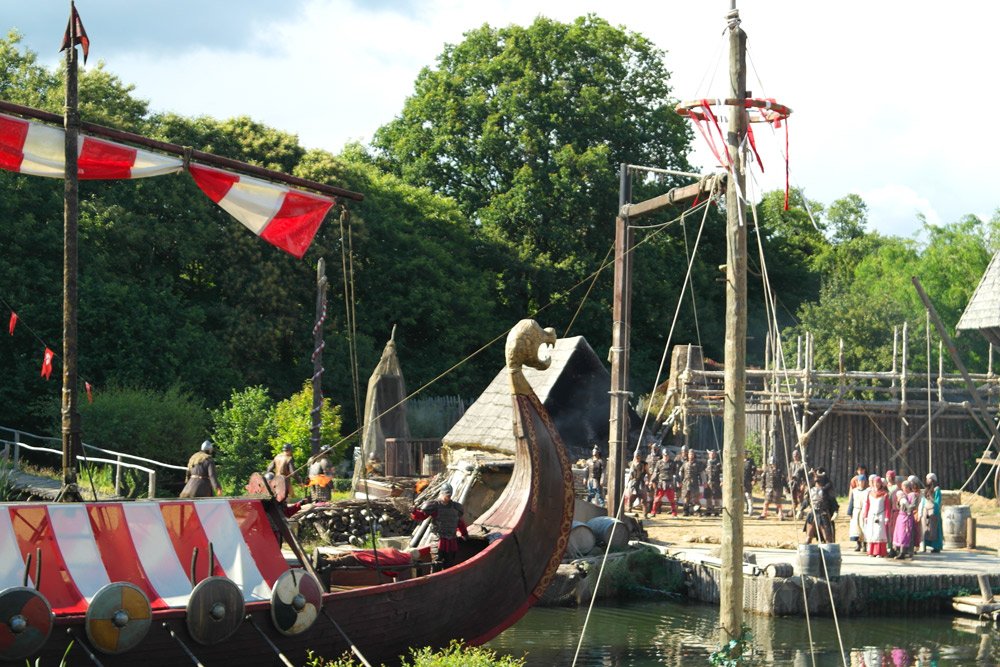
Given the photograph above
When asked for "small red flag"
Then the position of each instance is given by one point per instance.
(90, 392)
(81, 35)
(47, 363)
(13, 322)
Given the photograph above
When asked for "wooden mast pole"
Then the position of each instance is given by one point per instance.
(734, 415)
(620, 335)
(317, 357)
(70, 415)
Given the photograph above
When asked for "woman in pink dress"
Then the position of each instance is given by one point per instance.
(902, 534)
(874, 518)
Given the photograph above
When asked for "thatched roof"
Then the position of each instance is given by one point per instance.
(574, 390)
(983, 310)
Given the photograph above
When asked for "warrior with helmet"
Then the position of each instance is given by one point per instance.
(446, 517)
(595, 478)
(200, 480)
(664, 476)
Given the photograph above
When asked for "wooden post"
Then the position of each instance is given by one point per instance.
(70, 415)
(317, 359)
(734, 415)
(620, 335)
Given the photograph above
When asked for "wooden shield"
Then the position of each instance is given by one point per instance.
(279, 485)
(118, 618)
(296, 600)
(257, 487)
(25, 622)
(214, 610)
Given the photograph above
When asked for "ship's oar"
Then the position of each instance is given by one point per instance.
(90, 654)
(354, 649)
(267, 639)
(180, 641)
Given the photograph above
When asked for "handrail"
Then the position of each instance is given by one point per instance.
(151, 489)
(95, 448)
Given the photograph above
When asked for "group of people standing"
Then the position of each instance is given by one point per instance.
(892, 517)
(658, 477)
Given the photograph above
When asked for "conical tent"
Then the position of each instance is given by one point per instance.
(385, 410)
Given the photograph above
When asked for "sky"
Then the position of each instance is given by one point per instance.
(890, 99)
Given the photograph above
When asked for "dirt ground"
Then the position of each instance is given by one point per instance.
(787, 534)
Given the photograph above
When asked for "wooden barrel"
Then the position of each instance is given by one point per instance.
(609, 531)
(432, 465)
(830, 554)
(953, 520)
(581, 540)
(783, 570)
(809, 562)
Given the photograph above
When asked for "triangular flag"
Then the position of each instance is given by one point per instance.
(90, 392)
(13, 322)
(47, 363)
(81, 35)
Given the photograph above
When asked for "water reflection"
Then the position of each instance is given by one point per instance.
(647, 634)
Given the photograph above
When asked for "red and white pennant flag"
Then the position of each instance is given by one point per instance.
(281, 216)
(40, 150)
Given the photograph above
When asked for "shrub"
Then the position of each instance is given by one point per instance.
(456, 654)
(164, 426)
(293, 424)
(242, 428)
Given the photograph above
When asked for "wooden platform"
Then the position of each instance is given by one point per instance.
(867, 586)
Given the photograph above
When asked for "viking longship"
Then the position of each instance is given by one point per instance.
(206, 581)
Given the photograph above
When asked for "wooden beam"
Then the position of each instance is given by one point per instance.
(681, 195)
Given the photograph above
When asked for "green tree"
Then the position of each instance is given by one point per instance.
(242, 429)
(293, 425)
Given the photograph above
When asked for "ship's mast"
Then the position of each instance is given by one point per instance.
(734, 415)
(70, 414)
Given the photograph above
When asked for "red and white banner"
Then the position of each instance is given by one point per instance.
(40, 150)
(87, 545)
(281, 216)
(47, 363)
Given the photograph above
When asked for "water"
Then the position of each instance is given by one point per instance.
(668, 633)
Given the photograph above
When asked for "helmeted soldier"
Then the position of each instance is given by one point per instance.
(774, 483)
(797, 481)
(595, 478)
(665, 479)
(320, 481)
(447, 518)
(283, 463)
(690, 481)
(820, 506)
(200, 480)
(637, 482)
(713, 484)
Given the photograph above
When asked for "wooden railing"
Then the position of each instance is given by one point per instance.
(13, 441)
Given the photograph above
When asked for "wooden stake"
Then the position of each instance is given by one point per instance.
(620, 335)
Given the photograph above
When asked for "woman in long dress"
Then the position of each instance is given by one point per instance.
(859, 492)
(930, 514)
(874, 516)
(902, 534)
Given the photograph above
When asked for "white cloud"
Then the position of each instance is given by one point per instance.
(893, 209)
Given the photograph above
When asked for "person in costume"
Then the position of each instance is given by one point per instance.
(797, 481)
(930, 514)
(200, 480)
(820, 508)
(713, 484)
(749, 475)
(665, 478)
(774, 484)
(595, 478)
(690, 481)
(447, 518)
(873, 515)
(905, 526)
(859, 493)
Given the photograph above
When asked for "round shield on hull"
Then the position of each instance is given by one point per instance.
(296, 600)
(118, 618)
(214, 610)
(25, 622)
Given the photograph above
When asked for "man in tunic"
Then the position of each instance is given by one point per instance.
(819, 506)
(636, 486)
(446, 518)
(797, 479)
(283, 463)
(690, 480)
(595, 478)
(665, 479)
(713, 484)
(749, 475)
(200, 480)
(930, 514)
(773, 483)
